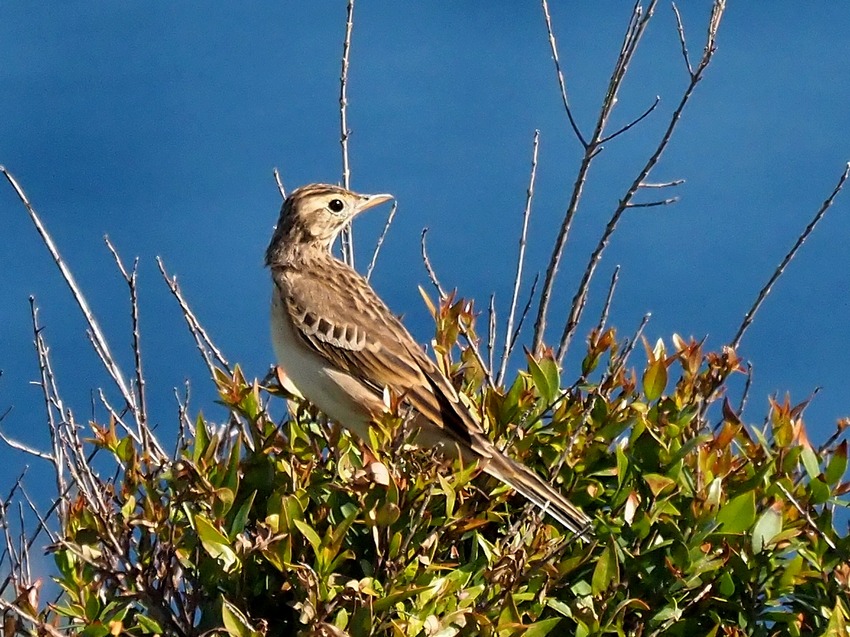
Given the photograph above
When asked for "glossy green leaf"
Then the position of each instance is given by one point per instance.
(837, 464)
(768, 526)
(655, 380)
(738, 514)
(216, 544)
(607, 570)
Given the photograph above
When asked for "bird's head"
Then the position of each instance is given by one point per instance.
(314, 215)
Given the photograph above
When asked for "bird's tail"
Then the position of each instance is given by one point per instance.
(537, 491)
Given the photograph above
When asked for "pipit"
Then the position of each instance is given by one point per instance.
(341, 346)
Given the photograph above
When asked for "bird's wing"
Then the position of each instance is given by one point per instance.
(339, 316)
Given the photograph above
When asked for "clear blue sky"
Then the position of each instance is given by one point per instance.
(159, 124)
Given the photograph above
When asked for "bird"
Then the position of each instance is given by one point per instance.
(342, 347)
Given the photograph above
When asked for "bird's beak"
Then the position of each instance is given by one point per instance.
(370, 201)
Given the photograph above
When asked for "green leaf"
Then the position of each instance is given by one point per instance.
(543, 379)
(837, 464)
(655, 380)
(542, 628)
(311, 535)
(810, 462)
(148, 625)
(768, 526)
(738, 514)
(235, 621)
(607, 570)
(216, 544)
(202, 439)
(658, 483)
(241, 517)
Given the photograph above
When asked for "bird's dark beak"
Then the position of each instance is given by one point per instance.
(370, 201)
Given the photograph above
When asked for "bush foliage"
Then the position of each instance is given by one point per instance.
(703, 525)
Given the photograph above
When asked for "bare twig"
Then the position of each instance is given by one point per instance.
(638, 22)
(279, 183)
(51, 401)
(746, 393)
(680, 28)
(130, 278)
(202, 339)
(102, 347)
(580, 299)
(43, 628)
(652, 204)
(806, 515)
(428, 267)
(522, 316)
(666, 184)
(630, 345)
(561, 83)
(526, 214)
(491, 330)
(463, 330)
(344, 132)
(632, 123)
(380, 242)
(14, 444)
(762, 295)
(603, 318)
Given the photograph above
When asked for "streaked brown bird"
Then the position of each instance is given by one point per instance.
(341, 346)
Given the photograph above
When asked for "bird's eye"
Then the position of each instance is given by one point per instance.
(336, 205)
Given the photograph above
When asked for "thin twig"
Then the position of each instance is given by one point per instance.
(523, 236)
(630, 345)
(522, 316)
(20, 446)
(463, 330)
(666, 184)
(202, 339)
(380, 242)
(130, 278)
(580, 299)
(638, 22)
(746, 393)
(279, 183)
(652, 204)
(603, 318)
(428, 267)
(762, 295)
(632, 123)
(561, 83)
(43, 627)
(51, 401)
(806, 515)
(344, 132)
(102, 347)
(680, 28)
(491, 330)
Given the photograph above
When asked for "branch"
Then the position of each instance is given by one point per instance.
(580, 298)
(526, 213)
(101, 347)
(634, 31)
(202, 339)
(561, 84)
(603, 318)
(279, 183)
(762, 295)
(380, 242)
(344, 132)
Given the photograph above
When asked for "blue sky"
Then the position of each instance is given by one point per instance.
(159, 124)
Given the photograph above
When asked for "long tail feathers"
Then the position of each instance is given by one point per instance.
(539, 492)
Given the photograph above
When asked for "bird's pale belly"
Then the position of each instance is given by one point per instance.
(339, 395)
